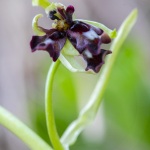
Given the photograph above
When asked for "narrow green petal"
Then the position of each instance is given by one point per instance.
(43, 3)
(35, 27)
(111, 33)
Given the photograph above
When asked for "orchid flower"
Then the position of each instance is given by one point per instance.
(70, 37)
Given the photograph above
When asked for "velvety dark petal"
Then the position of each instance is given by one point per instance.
(78, 26)
(78, 41)
(52, 43)
(95, 62)
(85, 37)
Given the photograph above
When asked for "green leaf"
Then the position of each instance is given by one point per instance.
(43, 3)
(24, 133)
(89, 112)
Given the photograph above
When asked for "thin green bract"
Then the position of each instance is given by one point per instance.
(89, 112)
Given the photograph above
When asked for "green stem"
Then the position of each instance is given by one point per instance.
(52, 131)
(29, 137)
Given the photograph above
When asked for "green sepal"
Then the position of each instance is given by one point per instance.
(72, 64)
(69, 60)
(35, 26)
(43, 3)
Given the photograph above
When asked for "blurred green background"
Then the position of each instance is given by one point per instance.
(123, 121)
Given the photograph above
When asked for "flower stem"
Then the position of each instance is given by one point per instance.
(28, 136)
(50, 120)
